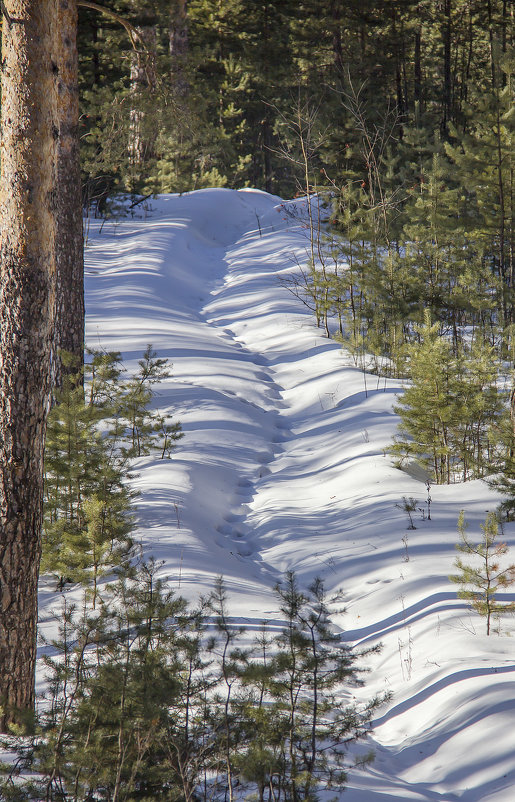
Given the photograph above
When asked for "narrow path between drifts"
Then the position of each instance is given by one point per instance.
(237, 529)
(278, 497)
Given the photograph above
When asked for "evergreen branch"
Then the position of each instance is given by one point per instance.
(132, 32)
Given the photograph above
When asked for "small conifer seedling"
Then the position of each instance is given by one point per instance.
(480, 581)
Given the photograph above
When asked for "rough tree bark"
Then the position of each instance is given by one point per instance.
(69, 240)
(69, 243)
(27, 317)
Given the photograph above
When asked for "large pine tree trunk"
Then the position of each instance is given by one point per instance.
(69, 243)
(27, 316)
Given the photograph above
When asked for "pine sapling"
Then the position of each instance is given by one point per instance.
(479, 582)
(141, 423)
(231, 661)
(409, 506)
(170, 433)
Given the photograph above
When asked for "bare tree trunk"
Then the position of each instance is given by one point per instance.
(336, 13)
(447, 77)
(69, 243)
(27, 317)
(142, 137)
(178, 34)
(267, 122)
(418, 67)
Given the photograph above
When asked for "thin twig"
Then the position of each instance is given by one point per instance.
(137, 202)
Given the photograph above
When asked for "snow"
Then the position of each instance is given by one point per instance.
(283, 466)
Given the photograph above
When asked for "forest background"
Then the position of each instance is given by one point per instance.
(228, 88)
(399, 115)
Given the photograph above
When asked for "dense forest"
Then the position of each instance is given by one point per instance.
(400, 116)
(239, 94)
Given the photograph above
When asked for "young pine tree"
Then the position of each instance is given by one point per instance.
(113, 682)
(449, 408)
(482, 579)
(427, 409)
(132, 409)
(87, 521)
(306, 684)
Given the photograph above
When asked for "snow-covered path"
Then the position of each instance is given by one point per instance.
(283, 466)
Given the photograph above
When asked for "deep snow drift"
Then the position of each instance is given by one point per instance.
(283, 466)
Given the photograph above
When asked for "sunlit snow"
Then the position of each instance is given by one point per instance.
(283, 466)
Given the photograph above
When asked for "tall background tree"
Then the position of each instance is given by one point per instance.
(69, 239)
(27, 316)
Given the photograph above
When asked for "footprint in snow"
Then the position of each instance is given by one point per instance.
(224, 529)
(244, 492)
(264, 457)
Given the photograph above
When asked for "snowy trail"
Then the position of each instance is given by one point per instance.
(283, 466)
(241, 523)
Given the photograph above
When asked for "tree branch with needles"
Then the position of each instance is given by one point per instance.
(134, 36)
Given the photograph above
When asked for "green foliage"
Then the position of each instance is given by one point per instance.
(484, 161)
(409, 506)
(146, 702)
(92, 434)
(504, 479)
(208, 104)
(449, 408)
(301, 722)
(113, 680)
(87, 519)
(482, 579)
(132, 404)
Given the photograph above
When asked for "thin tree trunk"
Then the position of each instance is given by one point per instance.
(69, 244)
(27, 317)
(267, 122)
(178, 29)
(491, 40)
(447, 83)
(178, 38)
(418, 68)
(142, 135)
(336, 18)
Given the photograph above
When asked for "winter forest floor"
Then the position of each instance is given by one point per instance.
(283, 467)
